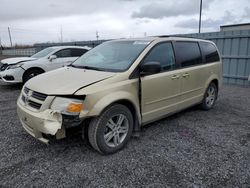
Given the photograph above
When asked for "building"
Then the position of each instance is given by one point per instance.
(235, 27)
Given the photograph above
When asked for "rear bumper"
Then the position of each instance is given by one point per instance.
(37, 123)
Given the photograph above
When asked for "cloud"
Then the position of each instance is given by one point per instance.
(40, 21)
(169, 9)
(189, 23)
(208, 23)
(247, 13)
(35, 9)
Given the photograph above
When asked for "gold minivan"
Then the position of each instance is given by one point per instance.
(119, 86)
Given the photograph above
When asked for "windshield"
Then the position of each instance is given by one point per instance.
(43, 53)
(114, 56)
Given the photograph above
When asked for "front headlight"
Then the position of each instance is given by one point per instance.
(67, 105)
(15, 66)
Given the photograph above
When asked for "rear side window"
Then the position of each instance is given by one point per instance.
(188, 53)
(209, 51)
(70, 53)
(77, 52)
(63, 53)
(164, 54)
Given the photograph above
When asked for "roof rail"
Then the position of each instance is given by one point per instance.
(162, 36)
(183, 36)
(178, 36)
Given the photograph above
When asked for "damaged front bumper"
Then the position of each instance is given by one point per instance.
(12, 75)
(37, 124)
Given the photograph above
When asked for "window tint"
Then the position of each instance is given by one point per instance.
(209, 51)
(63, 53)
(77, 52)
(164, 54)
(188, 53)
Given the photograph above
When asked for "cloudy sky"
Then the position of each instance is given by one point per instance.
(33, 21)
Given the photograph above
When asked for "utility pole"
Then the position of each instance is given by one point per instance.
(200, 16)
(1, 47)
(97, 35)
(10, 36)
(61, 32)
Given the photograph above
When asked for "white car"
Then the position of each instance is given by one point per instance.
(21, 69)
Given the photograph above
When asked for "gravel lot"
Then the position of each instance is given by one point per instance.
(193, 148)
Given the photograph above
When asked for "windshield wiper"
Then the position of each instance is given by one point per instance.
(91, 68)
(71, 65)
(87, 67)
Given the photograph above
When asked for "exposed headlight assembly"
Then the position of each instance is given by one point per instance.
(15, 66)
(67, 105)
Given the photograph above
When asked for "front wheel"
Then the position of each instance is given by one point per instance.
(31, 73)
(209, 97)
(109, 132)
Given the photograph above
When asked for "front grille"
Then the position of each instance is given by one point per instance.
(3, 66)
(34, 104)
(32, 98)
(39, 96)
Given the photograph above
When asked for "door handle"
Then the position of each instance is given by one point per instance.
(175, 77)
(185, 75)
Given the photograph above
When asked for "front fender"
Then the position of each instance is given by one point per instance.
(30, 65)
(112, 98)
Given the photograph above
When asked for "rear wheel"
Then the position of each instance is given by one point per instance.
(109, 132)
(31, 73)
(209, 97)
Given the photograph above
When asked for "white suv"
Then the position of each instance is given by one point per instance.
(21, 69)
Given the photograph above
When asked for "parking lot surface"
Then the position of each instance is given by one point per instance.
(193, 148)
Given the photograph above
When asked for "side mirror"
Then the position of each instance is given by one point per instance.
(150, 67)
(52, 57)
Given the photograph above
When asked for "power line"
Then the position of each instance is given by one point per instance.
(52, 31)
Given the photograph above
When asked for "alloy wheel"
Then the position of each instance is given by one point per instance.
(210, 96)
(116, 130)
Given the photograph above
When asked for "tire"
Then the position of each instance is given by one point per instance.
(31, 73)
(116, 124)
(84, 132)
(210, 97)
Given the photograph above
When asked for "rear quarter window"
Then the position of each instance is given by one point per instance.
(188, 53)
(78, 52)
(209, 52)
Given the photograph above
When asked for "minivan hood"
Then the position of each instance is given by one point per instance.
(15, 60)
(66, 80)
